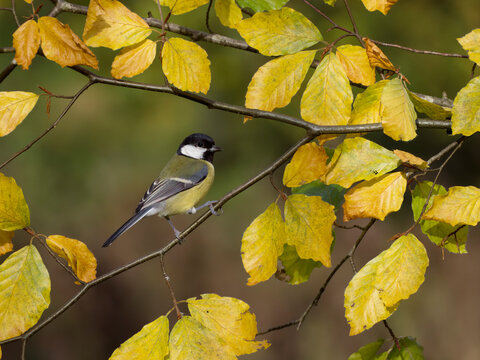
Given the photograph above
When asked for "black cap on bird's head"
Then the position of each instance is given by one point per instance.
(198, 146)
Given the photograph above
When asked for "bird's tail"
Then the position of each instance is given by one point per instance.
(128, 224)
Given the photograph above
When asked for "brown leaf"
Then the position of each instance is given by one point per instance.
(377, 57)
(26, 41)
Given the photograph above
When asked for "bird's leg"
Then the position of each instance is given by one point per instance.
(177, 233)
(210, 204)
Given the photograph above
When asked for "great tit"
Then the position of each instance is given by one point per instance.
(184, 180)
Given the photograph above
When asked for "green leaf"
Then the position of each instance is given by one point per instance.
(367, 352)
(327, 100)
(439, 233)
(24, 291)
(262, 243)
(279, 32)
(466, 109)
(149, 343)
(332, 194)
(409, 350)
(309, 221)
(295, 269)
(14, 213)
(375, 291)
(262, 5)
(358, 159)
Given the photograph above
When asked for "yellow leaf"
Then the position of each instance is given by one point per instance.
(381, 5)
(275, 83)
(279, 32)
(149, 343)
(230, 319)
(309, 221)
(375, 198)
(459, 206)
(186, 65)
(377, 57)
(228, 12)
(359, 159)
(411, 159)
(367, 107)
(375, 291)
(6, 244)
(262, 244)
(133, 60)
(79, 258)
(14, 213)
(190, 340)
(24, 291)
(109, 23)
(62, 45)
(309, 163)
(182, 6)
(26, 41)
(433, 111)
(355, 62)
(398, 115)
(14, 107)
(327, 100)
(471, 43)
(466, 109)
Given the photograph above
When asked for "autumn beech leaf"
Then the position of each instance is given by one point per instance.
(375, 198)
(433, 111)
(135, 59)
(186, 65)
(14, 213)
(356, 64)
(377, 57)
(398, 115)
(262, 5)
(151, 342)
(275, 83)
(189, 339)
(308, 223)
(25, 291)
(358, 159)
(6, 244)
(295, 270)
(327, 100)
(451, 238)
(309, 163)
(466, 109)
(461, 205)
(111, 24)
(262, 244)
(14, 108)
(381, 5)
(471, 43)
(231, 321)
(78, 256)
(411, 159)
(26, 41)
(179, 7)
(228, 13)
(367, 107)
(62, 45)
(279, 32)
(376, 290)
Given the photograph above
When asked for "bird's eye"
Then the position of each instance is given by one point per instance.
(201, 144)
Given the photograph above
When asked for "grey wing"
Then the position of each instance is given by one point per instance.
(162, 189)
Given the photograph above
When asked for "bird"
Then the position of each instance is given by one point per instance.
(182, 183)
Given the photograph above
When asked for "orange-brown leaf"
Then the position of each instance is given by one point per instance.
(377, 57)
(26, 41)
(62, 45)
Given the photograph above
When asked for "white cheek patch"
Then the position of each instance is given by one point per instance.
(193, 151)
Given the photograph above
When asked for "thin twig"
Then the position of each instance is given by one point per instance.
(14, 12)
(207, 17)
(170, 288)
(390, 331)
(352, 20)
(8, 69)
(426, 52)
(51, 127)
(326, 17)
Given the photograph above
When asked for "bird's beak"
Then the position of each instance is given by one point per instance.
(215, 148)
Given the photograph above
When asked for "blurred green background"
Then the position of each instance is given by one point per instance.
(85, 178)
